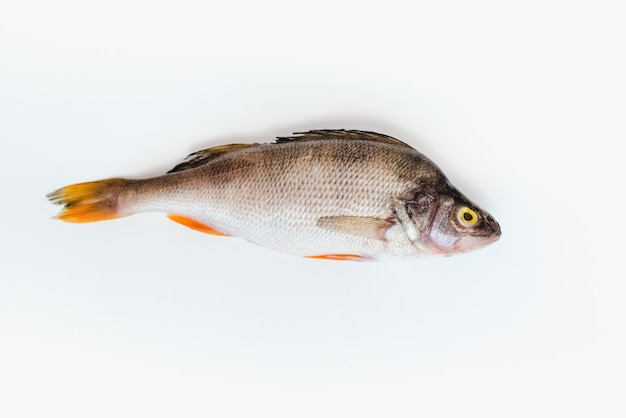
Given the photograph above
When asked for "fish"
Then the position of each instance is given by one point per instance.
(322, 194)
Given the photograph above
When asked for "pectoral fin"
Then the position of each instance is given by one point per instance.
(364, 226)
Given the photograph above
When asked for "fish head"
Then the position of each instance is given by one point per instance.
(457, 226)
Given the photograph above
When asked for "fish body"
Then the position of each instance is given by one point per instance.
(333, 194)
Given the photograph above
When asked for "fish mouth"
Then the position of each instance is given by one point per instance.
(487, 235)
(494, 231)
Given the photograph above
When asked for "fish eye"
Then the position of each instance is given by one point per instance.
(467, 217)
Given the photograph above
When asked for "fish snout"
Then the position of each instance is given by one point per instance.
(492, 229)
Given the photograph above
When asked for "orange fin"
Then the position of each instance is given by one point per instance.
(195, 225)
(89, 202)
(343, 257)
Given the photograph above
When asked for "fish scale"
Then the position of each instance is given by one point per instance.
(328, 193)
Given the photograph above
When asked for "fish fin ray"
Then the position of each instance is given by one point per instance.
(339, 257)
(89, 202)
(195, 225)
(340, 134)
(204, 156)
(364, 226)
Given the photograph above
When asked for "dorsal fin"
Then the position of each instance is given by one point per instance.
(202, 157)
(341, 134)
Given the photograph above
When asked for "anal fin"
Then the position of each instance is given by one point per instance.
(195, 225)
(342, 257)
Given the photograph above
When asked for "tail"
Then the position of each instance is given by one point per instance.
(90, 202)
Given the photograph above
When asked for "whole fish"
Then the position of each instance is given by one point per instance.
(331, 194)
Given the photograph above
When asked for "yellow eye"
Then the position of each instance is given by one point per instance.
(467, 217)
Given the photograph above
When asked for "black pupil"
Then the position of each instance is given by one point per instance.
(468, 216)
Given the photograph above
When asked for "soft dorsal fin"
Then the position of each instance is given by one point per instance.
(341, 134)
(202, 157)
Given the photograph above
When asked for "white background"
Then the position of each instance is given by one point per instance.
(522, 104)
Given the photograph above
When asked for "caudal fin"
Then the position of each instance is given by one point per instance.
(89, 202)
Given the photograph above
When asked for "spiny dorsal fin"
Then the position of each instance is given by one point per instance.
(341, 134)
(202, 157)
(199, 158)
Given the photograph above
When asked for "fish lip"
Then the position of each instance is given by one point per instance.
(496, 228)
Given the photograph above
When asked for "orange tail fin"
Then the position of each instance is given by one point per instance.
(89, 202)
